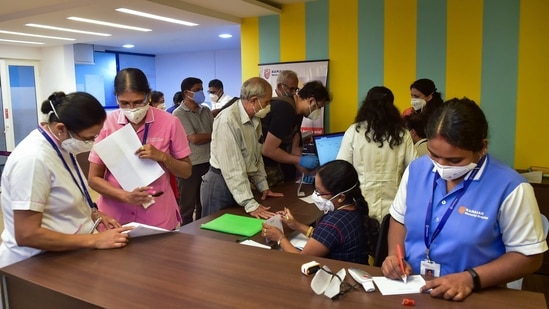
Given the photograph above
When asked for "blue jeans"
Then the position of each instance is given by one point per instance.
(214, 193)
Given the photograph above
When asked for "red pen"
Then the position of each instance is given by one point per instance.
(401, 263)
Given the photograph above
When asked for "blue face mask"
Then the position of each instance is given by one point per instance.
(198, 97)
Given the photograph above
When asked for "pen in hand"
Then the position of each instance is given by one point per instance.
(95, 224)
(401, 263)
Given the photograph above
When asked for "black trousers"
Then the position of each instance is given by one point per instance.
(189, 193)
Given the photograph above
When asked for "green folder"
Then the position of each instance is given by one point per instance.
(233, 224)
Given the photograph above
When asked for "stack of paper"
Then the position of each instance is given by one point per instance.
(140, 229)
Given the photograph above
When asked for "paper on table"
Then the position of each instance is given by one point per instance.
(140, 229)
(118, 153)
(249, 242)
(298, 240)
(307, 199)
(395, 287)
(533, 177)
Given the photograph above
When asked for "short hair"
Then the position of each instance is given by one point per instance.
(416, 122)
(255, 86)
(155, 96)
(216, 83)
(78, 110)
(314, 89)
(189, 82)
(177, 97)
(132, 80)
(284, 75)
(461, 123)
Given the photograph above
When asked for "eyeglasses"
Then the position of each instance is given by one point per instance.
(321, 194)
(332, 290)
(86, 140)
(134, 104)
(292, 89)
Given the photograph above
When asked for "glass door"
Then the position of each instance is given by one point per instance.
(19, 88)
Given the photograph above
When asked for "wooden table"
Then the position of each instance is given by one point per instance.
(178, 270)
(302, 211)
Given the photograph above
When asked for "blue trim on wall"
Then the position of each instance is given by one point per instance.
(269, 39)
(431, 42)
(370, 46)
(499, 80)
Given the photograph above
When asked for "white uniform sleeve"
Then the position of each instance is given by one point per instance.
(520, 222)
(398, 208)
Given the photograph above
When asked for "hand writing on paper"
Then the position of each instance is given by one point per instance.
(138, 196)
(114, 238)
(391, 268)
(269, 193)
(262, 212)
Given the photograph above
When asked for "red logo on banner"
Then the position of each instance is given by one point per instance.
(267, 73)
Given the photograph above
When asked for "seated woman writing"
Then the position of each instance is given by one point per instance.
(345, 232)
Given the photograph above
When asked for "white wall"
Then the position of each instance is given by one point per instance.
(224, 65)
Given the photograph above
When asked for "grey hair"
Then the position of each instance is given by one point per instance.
(284, 75)
(255, 86)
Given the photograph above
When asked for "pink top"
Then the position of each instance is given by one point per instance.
(167, 134)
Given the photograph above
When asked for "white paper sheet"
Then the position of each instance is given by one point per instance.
(118, 153)
(140, 229)
(249, 242)
(307, 199)
(298, 240)
(396, 287)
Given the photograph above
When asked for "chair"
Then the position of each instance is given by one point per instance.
(382, 248)
(517, 284)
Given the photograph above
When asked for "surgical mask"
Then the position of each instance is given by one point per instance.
(325, 205)
(263, 111)
(314, 115)
(137, 114)
(213, 98)
(418, 103)
(450, 172)
(161, 106)
(76, 146)
(198, 97)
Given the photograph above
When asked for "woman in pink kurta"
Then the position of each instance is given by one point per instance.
(164, 140)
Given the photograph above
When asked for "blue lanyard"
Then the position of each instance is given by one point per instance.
(83, 189)
(448, 212)
(146, 133)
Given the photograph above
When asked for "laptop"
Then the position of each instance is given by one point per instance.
(327, 146)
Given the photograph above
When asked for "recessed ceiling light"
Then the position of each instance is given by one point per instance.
(24, 42)
(157, 17)
(128, 46)
(225, 36)
(36, 35)
(67, 29)
(105, 23)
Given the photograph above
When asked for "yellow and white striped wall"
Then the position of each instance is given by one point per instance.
(495, 52)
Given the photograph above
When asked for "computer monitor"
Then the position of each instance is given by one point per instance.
(327, 146)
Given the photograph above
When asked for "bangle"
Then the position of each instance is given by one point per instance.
(278, 242)
(309, 232)
(476, 279)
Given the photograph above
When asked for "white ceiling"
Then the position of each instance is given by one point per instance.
(213, 16)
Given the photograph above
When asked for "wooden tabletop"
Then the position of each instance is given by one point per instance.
(177, 270)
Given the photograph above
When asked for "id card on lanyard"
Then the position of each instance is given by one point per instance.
(428, 266)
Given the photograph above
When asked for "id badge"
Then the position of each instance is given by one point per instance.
(429, 268)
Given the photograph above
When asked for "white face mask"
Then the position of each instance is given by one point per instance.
(314, 115)
(213, 98)
(325, 205)
(137, 114)
(449, 172)
(161, 106)
(263, 111)
(76, 146)
(418, 104)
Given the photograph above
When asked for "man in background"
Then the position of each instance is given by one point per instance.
(217, 96)
(197, 121)
(236, 161)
